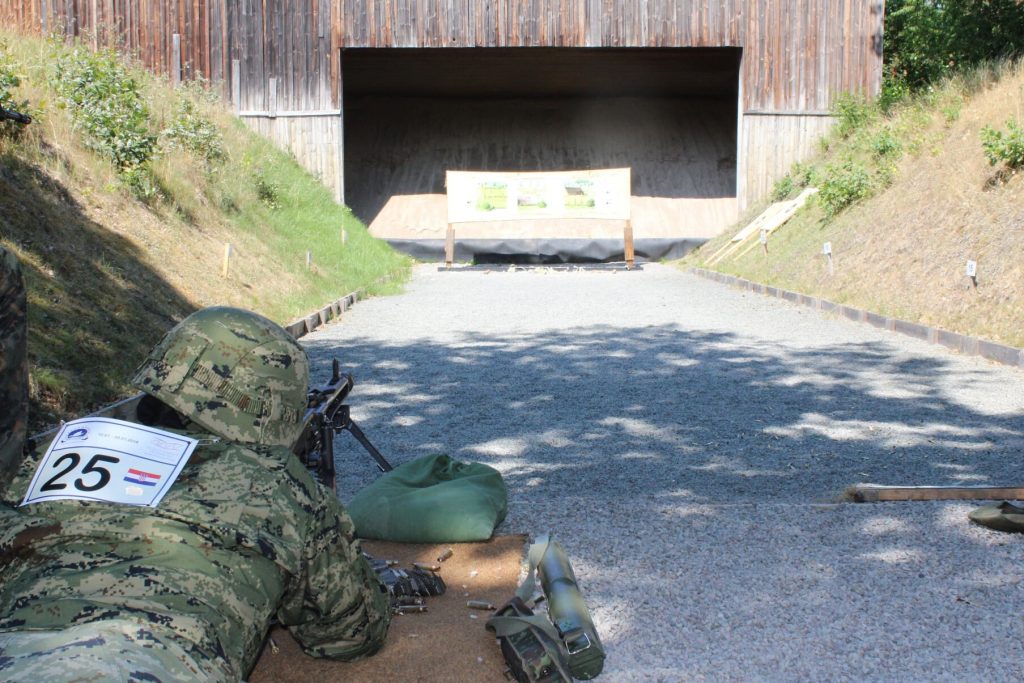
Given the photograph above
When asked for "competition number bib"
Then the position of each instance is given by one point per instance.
(98, 458)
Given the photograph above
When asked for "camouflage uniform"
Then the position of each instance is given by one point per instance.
(186, 591)
(13, 371)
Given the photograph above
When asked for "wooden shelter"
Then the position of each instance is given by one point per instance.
(709, 101)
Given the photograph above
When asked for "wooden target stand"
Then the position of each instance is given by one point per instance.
(627, 245)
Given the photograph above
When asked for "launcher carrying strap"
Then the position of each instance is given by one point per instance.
(530, 644)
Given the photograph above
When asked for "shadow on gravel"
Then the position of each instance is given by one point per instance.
(700, 417)
(626, 445)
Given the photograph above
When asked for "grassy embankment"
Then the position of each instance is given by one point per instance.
(923, 201)
(109, 269)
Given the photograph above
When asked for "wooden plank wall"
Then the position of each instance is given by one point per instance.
(289, 40)
(797, 54)
(769, 145)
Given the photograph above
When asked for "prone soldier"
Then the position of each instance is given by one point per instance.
(186, 590)
(13, 377)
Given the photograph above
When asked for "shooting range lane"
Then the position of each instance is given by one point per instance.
(685, 442)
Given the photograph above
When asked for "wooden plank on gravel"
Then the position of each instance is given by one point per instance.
(863, 493)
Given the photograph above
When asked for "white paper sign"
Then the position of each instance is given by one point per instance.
(478, 196)
(972, 269)
(764, 236)
(100, 459)
(827, 249)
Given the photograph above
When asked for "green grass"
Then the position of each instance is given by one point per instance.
(109, 271)
(906, 197)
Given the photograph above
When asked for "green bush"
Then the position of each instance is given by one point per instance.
(1006, 147)
(885, 145)
(804, 175)
(842, 186)
(106, 104)
(192, 131)
(852, 113)
(266, 190)
(8, 82)
(783, 188)
(925, 40)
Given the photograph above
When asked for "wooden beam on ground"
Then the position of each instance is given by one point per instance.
(868, 493)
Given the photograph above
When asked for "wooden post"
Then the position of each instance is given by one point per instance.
(176, 60)
(449, 247)
(224, 264)
(273, 98)
(627, 237)
(236, 84)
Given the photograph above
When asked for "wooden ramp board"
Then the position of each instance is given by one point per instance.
(773, 218)
(870, 493)
(444, 644)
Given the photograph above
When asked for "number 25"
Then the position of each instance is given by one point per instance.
(90, 468)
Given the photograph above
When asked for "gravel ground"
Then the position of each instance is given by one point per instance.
(687, 442)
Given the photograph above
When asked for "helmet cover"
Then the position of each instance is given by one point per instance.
(232, 371)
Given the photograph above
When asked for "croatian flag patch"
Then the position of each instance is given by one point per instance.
(139, 477)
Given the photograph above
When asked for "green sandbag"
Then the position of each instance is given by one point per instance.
(432, 499)
(1003, 516)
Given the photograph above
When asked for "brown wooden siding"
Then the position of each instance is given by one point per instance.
(289, 40)
(797, 55)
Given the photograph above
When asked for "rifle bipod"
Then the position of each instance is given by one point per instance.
(343, 421)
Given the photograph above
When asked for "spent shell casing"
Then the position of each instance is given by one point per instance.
(408, 600)
(410, 609)
(448, 552)
(479, 604)
(427, 567)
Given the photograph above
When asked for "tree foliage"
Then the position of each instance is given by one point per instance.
(927, 39)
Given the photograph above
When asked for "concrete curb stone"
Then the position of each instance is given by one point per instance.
(972, 346)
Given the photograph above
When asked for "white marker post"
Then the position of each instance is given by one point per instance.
(227, 257)
(764, 240)
(826, 249)
(972, 272)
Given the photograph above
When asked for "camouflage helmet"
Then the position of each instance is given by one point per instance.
(233, 372)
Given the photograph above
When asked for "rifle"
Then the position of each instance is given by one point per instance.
(326, 415)
(11, 115)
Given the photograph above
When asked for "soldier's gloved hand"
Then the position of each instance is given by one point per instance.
(416, 583)
(407, 583)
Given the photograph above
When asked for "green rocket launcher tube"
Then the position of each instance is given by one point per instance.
(567, 611)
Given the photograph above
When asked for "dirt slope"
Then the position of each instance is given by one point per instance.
(904, 252)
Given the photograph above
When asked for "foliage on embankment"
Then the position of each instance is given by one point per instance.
(120, 199)
(908, 194)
